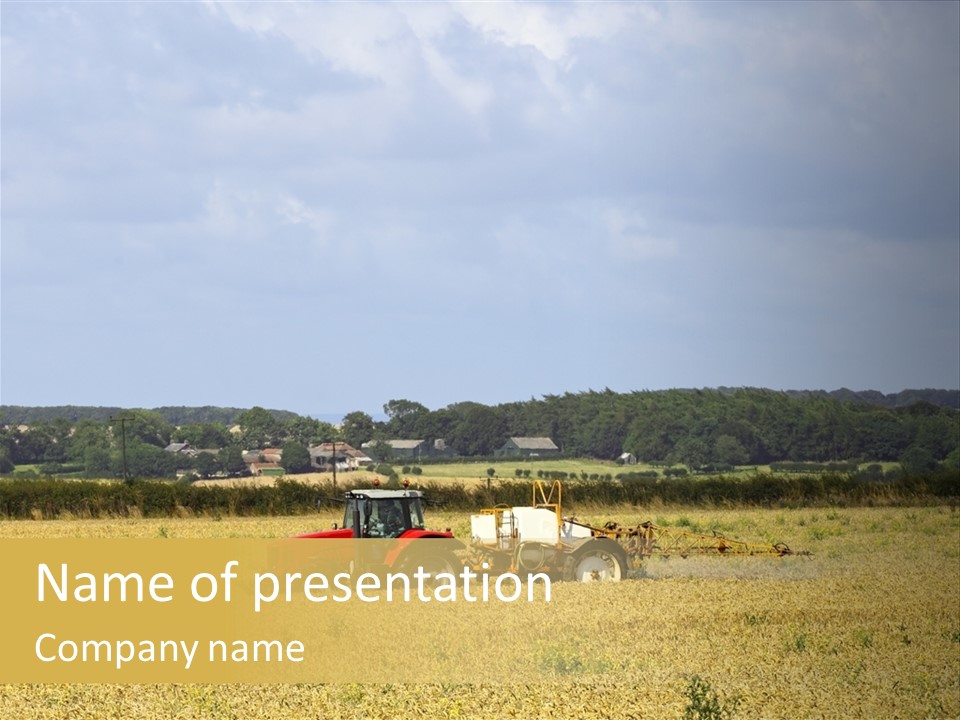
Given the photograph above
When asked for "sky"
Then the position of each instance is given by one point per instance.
(323, 207)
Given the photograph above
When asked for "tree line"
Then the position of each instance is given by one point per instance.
(695, 428)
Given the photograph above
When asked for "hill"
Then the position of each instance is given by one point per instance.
(175, 415)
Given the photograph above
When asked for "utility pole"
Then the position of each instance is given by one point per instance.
(123, 420)
(334, 460)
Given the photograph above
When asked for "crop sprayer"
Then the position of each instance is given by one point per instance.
(534, 538)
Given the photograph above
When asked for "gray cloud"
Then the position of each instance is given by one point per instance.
(774, 182)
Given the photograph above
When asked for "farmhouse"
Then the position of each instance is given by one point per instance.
(180, 449)
(267, 455)
(529, 446)
(347, 457)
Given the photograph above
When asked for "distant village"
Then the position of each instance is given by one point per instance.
(341, 456)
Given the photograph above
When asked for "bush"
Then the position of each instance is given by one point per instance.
(810, 467)
(705, 704)
(636, 474)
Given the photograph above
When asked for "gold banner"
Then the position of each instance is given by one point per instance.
(261, 611)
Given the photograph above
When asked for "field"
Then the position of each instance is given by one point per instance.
(474, 474)
(868, 627)
(468, 474)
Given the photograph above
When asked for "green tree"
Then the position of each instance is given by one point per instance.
(405, 418)
(357, 428)
(145, 460)
(205, 464)
(952, 461)
(259, 428)
(480, 431)
(203, 435)
(97, 461)
(435, 425)
(729, 451)
(690, 451)
(230, 460)
(88, 434)
(307, 431)
(296, 457)
(882, 435)
(31, 444)
(8, 441)
(145, 425)
(917, 459)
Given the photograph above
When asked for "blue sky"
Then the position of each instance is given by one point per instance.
(322, 207)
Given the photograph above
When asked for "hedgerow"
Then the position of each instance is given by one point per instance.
(50, 498)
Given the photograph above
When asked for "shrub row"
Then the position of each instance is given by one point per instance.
(52, 498)
(808, 467)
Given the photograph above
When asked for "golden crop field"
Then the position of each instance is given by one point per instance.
(868, 627)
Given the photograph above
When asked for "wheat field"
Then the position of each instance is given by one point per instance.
(868, 627)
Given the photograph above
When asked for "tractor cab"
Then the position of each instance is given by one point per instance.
(378, 513)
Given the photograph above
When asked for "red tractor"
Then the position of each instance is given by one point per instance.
(394, 515)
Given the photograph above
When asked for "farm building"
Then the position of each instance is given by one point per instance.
(267, 455)
(413, 449)
(530, 446)
(273, 455)
(266, 468)
(347, 457)
(180, 449)
(628, 458)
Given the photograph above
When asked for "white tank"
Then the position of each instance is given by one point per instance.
(536, 524)
(483, 528)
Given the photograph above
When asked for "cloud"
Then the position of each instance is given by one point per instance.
(630, 238)
(364, 41)
(551, 30)
(667, 175)
(473, 96)
(293, 211)
(394, 44)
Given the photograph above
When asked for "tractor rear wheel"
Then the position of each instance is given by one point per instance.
(596, 561)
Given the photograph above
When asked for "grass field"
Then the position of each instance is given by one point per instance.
(472, 474)
(868, 627)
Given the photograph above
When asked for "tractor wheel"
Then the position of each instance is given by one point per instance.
(597, 560)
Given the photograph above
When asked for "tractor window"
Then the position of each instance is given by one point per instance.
(416, 514)
(384, 517)
(391, 522)
(348, 514)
